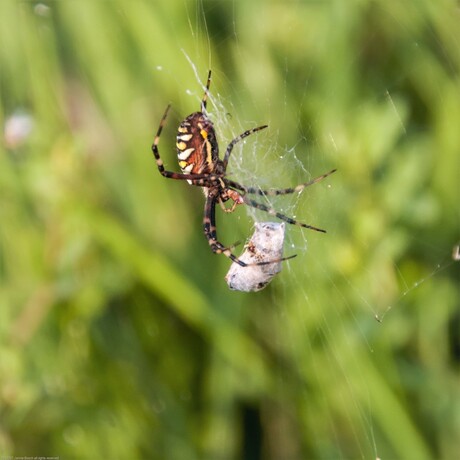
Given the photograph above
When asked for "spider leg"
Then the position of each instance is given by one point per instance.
(273, 212)
(205, 95)
(275, 192)
(209, 224)
(238, 139)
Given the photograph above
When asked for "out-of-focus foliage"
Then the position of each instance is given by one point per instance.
(119, 338)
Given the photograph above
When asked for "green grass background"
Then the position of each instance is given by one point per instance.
(119, 338)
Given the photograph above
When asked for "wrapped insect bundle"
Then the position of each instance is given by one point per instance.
(265, 245)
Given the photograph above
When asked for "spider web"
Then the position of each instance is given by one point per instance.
(254, 159)
(266, 160)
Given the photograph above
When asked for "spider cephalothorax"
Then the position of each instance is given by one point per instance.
(198, 157)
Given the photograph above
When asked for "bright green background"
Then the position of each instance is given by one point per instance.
(119, 338)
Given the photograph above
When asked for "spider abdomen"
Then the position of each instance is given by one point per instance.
(196, 143)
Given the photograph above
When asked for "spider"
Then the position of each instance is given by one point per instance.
(198, 156)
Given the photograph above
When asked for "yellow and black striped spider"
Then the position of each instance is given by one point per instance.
(198, 156)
